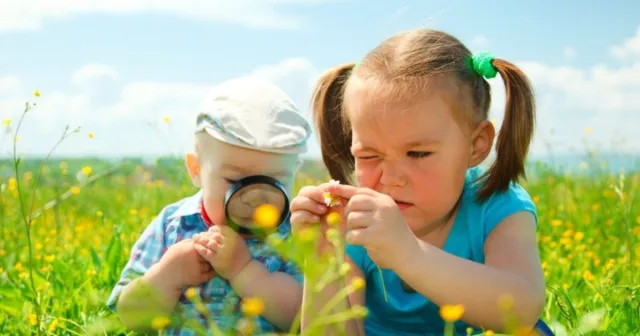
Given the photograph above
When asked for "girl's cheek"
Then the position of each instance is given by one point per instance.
(367, 174)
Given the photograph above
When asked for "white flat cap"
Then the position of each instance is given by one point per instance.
(254, 113)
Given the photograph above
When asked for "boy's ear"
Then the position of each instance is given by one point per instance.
(481, 142)
(193, 167)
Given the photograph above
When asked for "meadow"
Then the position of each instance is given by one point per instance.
(67, 226)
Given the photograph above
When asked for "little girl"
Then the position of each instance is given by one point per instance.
(410, 120)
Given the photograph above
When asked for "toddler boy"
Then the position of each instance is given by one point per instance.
(245, 126)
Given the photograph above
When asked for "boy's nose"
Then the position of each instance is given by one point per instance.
(255, 198)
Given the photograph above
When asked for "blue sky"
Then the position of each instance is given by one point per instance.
(116, 68)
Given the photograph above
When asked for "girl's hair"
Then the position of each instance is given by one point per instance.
(404, 63)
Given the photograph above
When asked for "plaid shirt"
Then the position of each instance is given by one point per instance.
(181, 220)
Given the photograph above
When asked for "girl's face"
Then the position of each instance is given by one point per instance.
(416, 153)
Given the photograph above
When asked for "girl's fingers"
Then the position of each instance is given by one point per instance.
(358, 220)
(307, 204)
(302, 217)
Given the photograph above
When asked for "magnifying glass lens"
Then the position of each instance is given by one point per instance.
(256, 203)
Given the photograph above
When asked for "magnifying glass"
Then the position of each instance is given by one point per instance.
(249, 193)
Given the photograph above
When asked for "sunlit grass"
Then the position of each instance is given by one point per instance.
(81, 217)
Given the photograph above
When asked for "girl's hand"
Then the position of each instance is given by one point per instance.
(308, 208)
(374, 221)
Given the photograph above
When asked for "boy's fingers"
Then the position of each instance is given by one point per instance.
(205, 252)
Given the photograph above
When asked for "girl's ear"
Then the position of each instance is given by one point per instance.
(193, 167)
(481, 142)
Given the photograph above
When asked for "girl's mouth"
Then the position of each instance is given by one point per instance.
(403, 205)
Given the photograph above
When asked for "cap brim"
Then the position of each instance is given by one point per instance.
(296, 150)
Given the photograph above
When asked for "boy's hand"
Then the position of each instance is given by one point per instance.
(308, 208)
(224, 249)
(181, 266)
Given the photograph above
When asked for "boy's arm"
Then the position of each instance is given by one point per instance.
(136, 298)
(280, 291)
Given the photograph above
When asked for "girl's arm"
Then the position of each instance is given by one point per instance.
(512, 269)
(313, 303)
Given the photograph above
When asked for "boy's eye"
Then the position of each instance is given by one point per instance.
(418, 155)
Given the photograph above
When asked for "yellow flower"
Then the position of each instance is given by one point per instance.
(87, 170)
(556, 222)
(7, 122)
(53, 325)
(91, 135)
(334, 218)
(19, 267)
(75, 190)
(33, 319)
(252, 307)
(166, 119)
(36, 93)
(588, 276)
(160, 322)
(99, 213)
(451, 313)
(1, 270)
(578, 236)
(488, 333)
(266, 216)
(13, 184)
(191, 293)
(49, 258)
(358, 283)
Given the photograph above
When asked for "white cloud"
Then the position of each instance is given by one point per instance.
(629, 48)
(128, 119)
(602, 97)
(31, 14)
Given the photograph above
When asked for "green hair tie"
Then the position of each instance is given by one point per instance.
(481, 64)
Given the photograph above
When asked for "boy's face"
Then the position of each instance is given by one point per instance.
(217, 165)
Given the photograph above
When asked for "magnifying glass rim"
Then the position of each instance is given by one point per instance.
(249, 180)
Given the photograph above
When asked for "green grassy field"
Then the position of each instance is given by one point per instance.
(588, 237)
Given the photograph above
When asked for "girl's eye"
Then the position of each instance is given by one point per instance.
(365, 157)
(418, 155)
(230, 181)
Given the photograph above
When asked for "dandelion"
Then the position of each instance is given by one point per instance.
(91, 135)
(53, 326)
(1, 270)
(358, 283)
(334, 218)
(33, 319)
(451, 313)
(18, 267)
(252, 306)
(87, 170)
(191, 293)
(160, 323)
(36, 93)
(166, 119)
(266, 216)
(489, 333)
(588, 276)
(6, 122)
(75, 190)
(49, 258)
